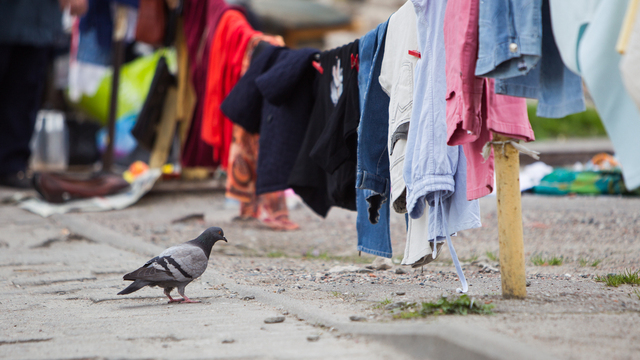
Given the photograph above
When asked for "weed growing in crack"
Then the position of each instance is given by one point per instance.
(462, 305)
(585, 262)
(615, 280)
(473, 258)
(539, 260)
(383, 303)
(276, 254)
(491, 256)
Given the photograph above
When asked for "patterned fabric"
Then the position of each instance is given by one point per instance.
(564, 182)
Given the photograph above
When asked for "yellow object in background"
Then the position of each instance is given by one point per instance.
(627, 25)
(136, 169)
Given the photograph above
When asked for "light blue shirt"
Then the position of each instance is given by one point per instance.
(598, 62)
(431, 166)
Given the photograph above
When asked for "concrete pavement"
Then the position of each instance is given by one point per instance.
(59, 277)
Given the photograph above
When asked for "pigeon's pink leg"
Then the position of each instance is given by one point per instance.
(187, 300)
(171, 300)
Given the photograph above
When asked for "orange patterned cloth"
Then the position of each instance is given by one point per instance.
(225, 65)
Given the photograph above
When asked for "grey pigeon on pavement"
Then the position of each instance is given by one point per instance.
(177, 266)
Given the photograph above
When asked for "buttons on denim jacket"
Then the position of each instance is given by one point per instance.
(513, 47)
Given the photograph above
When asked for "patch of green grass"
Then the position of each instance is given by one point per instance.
(383, 303)
(336, 293)
(473, 258)
(615, 280)
(539, 260)
(636, 292)
(491, 256)
(276, 254)
(585, 262)
(353, 259)
(462, 305)
(584, 124)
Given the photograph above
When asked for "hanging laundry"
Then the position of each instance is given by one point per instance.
(435, 174)
(569, 22)
(229, 44)
(510, 34)
(598, 63)
(275, 98)
(558, 89)
(629, 64)
(270, 208)
(474, 111)
(325, 171)
(200, 21)
(396, 79)
(372, 181)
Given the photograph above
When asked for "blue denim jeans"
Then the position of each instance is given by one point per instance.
(558, 89)
(372, 181)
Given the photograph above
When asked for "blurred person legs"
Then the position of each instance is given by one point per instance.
(22, 77)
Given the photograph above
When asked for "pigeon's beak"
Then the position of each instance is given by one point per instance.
(225, 239)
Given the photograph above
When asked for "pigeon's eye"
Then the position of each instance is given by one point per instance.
(219, 232)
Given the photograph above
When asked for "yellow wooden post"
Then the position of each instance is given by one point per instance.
(512, 271)
(165, 131)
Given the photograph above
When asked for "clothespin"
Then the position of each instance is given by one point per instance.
(354, 62)
(318, 67)
(415, 53)
(316, 63)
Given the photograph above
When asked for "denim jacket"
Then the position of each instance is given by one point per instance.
(558, 89)
(510, 37)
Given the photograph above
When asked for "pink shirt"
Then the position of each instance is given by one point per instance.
(474, 110)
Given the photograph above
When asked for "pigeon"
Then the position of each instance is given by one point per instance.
(176, 267)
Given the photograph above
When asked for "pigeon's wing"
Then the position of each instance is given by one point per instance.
(189, 260)
(155, 269)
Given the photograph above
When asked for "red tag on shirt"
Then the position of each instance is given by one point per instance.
(415, 53)
(355, 63)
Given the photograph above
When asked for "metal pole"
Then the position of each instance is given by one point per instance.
(119, 30)
(510, 235)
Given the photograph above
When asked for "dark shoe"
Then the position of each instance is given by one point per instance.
(19, 180)
(56, 188)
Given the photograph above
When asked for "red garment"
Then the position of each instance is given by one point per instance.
(474, 110)
(225, 65)
(201, 18)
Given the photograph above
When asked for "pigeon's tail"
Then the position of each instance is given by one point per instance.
(135, 286)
